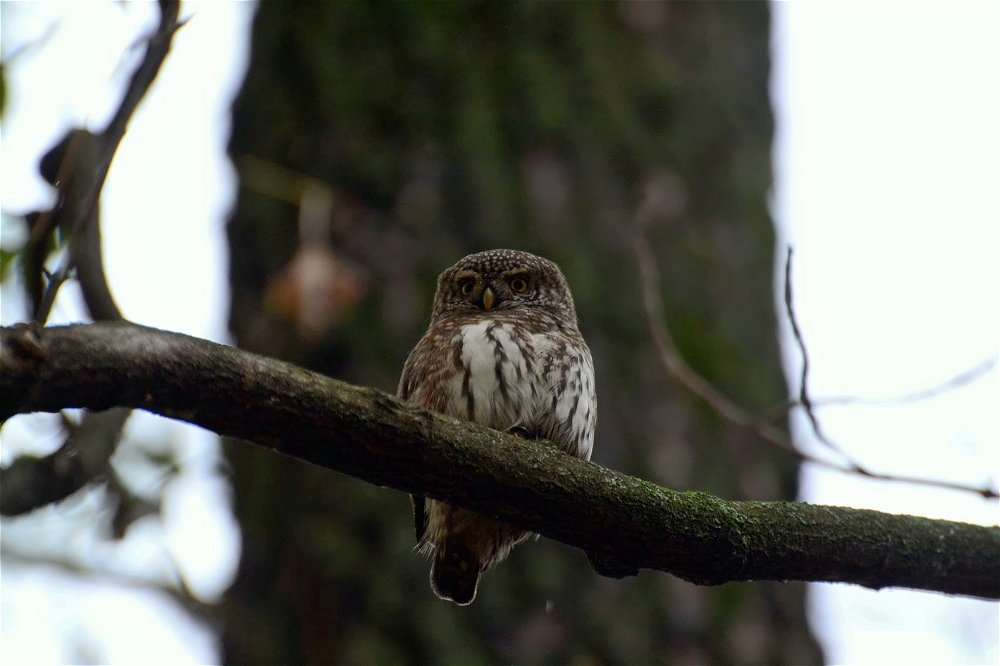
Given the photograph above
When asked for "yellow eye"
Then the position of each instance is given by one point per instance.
(467, 287)
(519, 285)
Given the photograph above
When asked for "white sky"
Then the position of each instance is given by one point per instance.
(887, 165)
(164, 206)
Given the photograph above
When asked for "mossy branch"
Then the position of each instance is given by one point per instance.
(623, 523)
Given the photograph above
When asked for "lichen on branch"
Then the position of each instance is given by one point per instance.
(623, 523)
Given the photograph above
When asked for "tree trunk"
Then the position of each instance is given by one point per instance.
(440, 129)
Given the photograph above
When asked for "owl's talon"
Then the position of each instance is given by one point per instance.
(522, 432)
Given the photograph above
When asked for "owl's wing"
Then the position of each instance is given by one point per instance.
(406, 391)
(570, 416)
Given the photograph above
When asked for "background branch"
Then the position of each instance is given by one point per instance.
(373, 436)
(675, 365)
(77, 167)
(83, 457)
(955, 382)
(804, 399)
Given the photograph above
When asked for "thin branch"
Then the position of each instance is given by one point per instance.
(157, 48)
(955, 382)
(53, 282)
(675, 365)
(375, 437)
(30, 483)
(804, 377)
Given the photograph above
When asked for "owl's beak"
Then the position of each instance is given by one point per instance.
(488, 298)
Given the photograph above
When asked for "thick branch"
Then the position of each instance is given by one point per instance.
(623, 522)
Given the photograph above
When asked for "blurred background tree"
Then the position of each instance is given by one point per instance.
(379, 142)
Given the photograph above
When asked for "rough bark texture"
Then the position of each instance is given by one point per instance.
(624, 523)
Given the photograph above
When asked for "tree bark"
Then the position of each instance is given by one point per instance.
(623, 523)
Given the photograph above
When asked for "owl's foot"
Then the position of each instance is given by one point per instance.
(523, 433)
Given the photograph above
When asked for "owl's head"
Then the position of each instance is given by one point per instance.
(498, 280)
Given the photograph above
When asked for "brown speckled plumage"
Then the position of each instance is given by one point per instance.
(503, 349)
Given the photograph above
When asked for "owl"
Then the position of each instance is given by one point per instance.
(503, 349)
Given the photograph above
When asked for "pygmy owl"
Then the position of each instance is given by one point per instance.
(503, 349)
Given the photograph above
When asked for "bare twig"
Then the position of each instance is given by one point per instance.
(157, 48)
(957, 381)
(53, 282)
(679, 368)
(29, 483)
(675, 365)
(804, 377)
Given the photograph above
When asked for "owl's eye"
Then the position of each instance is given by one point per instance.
(519, 285)
(467, 286)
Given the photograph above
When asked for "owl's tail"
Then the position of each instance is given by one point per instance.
(455, 572)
